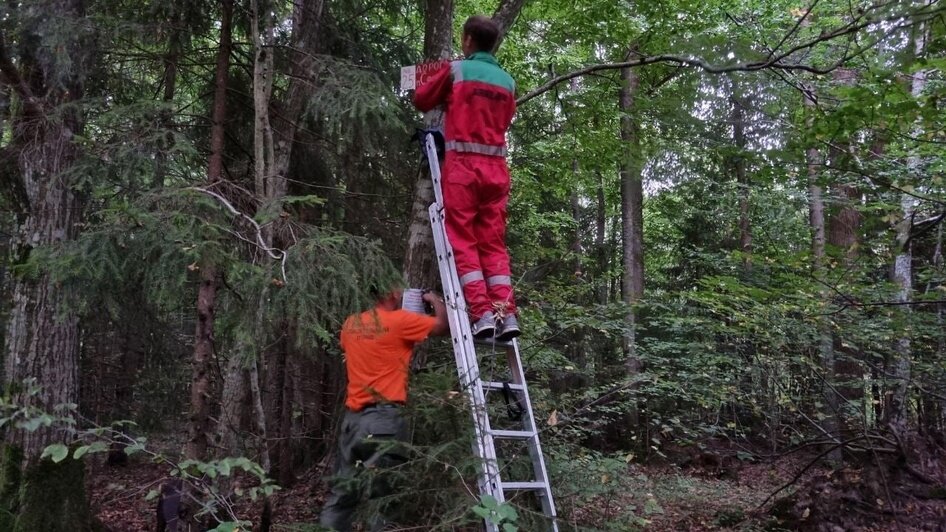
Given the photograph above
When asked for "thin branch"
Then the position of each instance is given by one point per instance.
(806, 468)
(772, 62)
(798, 23)
(274, 253)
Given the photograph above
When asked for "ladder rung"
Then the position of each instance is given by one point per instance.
(513, 434)
(492, 385)
(532, 485)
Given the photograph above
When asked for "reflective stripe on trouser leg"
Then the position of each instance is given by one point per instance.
(461, 206)
(474, 289)
(490, 231)
(469, 277)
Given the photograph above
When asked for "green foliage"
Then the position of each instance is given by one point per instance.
(500, 514)
(729, 339)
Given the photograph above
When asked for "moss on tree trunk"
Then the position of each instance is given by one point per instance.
(45, 496)
(11, 459)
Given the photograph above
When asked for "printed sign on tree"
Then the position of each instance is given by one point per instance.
(416, 75)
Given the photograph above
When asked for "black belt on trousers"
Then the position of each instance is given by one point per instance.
(375, 406)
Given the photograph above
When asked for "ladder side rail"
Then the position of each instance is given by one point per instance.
(464, 349)
(529, 424)
(467, 367)
(431, 146)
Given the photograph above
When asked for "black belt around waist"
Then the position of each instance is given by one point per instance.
(375, 406)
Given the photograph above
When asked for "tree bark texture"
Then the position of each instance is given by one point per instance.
(843, 233)
(42, 344)
(825, 344)
(42, 336)
(221, 75)
(632, 195)
(420, 269)
(438, 29)
(505, 15)
(233, 400)
(898, 411)
(42, 340)
(199, 428)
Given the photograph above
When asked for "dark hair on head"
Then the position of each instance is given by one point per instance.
(483, 31)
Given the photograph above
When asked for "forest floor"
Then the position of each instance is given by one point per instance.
(701, 496)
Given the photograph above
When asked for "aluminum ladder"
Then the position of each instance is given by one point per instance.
(478, 390)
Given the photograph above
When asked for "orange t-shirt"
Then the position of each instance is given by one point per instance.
(378, 344)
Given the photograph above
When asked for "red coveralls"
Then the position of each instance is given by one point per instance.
(479, 99)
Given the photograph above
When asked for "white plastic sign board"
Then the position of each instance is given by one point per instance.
(416, 75)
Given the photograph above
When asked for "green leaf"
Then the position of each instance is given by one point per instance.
(98, 447)
(482, 512)
(57, 452)
(80, 451)
(508, 512)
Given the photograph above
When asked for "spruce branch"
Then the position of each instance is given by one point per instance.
(273, 252)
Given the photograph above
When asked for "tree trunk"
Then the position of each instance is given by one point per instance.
(632, 224)
(632, 194)
(602, 250)
(505, 15)
(169, 80)
(41, 362)
(420, 270)
(737, 116)
(199, 426)
(232, 406)
(825, 345)
(846, 381)
(934, 422)
(897, 412)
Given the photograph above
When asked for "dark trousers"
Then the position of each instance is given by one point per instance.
(366, 447)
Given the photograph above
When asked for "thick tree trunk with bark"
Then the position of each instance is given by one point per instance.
(420, 269)
(41, 343)
(602, 252)
(199, 428)
(632, 195)
(632, 225)
(41, 361)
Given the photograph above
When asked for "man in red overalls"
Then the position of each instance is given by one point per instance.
(479, 99)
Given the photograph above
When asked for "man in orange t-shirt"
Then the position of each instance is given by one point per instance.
(378, 344)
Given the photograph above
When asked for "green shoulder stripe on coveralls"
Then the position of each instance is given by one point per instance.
(482, 67)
